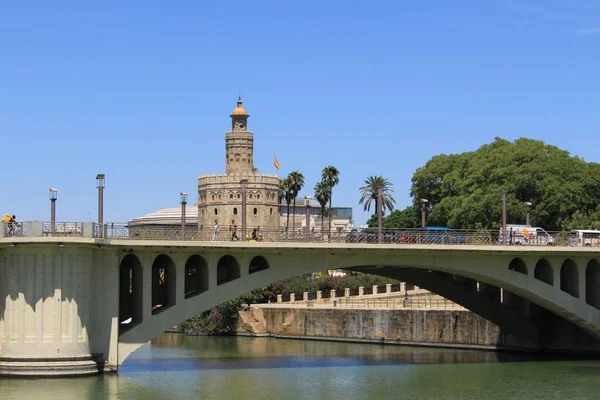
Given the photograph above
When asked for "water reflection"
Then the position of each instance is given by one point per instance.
(179, 367)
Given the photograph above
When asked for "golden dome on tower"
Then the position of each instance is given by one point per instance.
(239, 110)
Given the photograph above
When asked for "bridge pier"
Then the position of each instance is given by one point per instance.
(46, 312)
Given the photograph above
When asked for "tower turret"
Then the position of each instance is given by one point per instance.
(239, 144)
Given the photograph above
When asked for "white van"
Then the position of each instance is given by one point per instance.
(584, 237)
(526, 235)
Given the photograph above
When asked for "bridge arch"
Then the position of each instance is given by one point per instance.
(130, 292)
(258, 263)
(458, 269)
(592, 284)
(569, 278)
(544, 272)
(196, 276)
(518, 265)
(163, 283)
(228, 269)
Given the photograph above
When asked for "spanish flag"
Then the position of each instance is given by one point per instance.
(276, 163)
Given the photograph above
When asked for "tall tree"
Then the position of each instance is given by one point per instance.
(369, 193)
(296, 181)
(285, 193)
(464, 189)
(331, 176)
(322, 192)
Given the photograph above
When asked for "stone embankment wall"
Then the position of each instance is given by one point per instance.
(443, 328)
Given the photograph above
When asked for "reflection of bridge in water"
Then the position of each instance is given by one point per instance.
(63, 298)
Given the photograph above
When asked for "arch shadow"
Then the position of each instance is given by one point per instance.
(592, 284)
(258, 263)
(569, 278)
(130, 292)
(163, 283)
(196, 276)
(544, 272)
(518, 265)
(228, 269)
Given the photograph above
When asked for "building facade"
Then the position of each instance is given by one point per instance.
(220, 197)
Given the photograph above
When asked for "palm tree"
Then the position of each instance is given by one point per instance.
(322, 192)
(285, 193)
(369, 193)
(331, 176)
(296, 180)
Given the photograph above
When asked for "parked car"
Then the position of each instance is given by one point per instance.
(370, 235)
(432, 235)
(584, 237)
(526, 235)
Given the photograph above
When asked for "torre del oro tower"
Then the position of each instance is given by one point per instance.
(220, 196)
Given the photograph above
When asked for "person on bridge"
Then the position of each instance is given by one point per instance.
(217, 231)
(254, 234)
(234, 235)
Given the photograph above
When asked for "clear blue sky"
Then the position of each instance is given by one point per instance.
(142, 91)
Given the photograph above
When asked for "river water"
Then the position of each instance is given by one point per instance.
(175, 366)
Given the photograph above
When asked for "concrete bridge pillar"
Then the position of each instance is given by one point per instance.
(46, 312)
(361, 291)
(305, 296)
(279, 298)
(374, 289)
(292, 297)
(403, 287)
(347, 292)
(319, 295)
(388, 288)
(332, 293)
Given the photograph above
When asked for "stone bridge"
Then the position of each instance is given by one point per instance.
(78, 305)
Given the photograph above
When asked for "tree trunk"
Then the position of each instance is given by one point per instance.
(294, 216)
(330, 211)
(287, 225)
(323, 218)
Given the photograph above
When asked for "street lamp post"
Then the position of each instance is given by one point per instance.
(100, 183)
(379, 216)
(307, 205)
(53, 197)
(183, 199)
(244, 183)
(504, 233)
(423, 211)
(527, 212)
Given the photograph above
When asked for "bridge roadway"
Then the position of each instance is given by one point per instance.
(81, 305)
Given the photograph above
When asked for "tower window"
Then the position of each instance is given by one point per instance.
(271, 211)
(219, 197)
(250, 195)
(258, 195)
(234, 210)
(255, 211)
(216, 212)
(231, 196)
(239, 196)
(213, 196)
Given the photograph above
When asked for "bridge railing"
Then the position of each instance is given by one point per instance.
(14, 229)
(114, 230)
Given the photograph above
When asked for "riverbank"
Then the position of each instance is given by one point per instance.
(432, 328)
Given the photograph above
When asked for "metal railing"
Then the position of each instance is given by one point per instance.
(62, 229)
(14, 229)
(411, 303)
(115, 230)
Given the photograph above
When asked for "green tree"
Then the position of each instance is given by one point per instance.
(331, 176)
(407, 218)
(322, 192)
(285, 193)
(369, 193)
(296, 181)
(464, 189)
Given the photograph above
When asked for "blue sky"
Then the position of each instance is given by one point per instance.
(142, 91)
